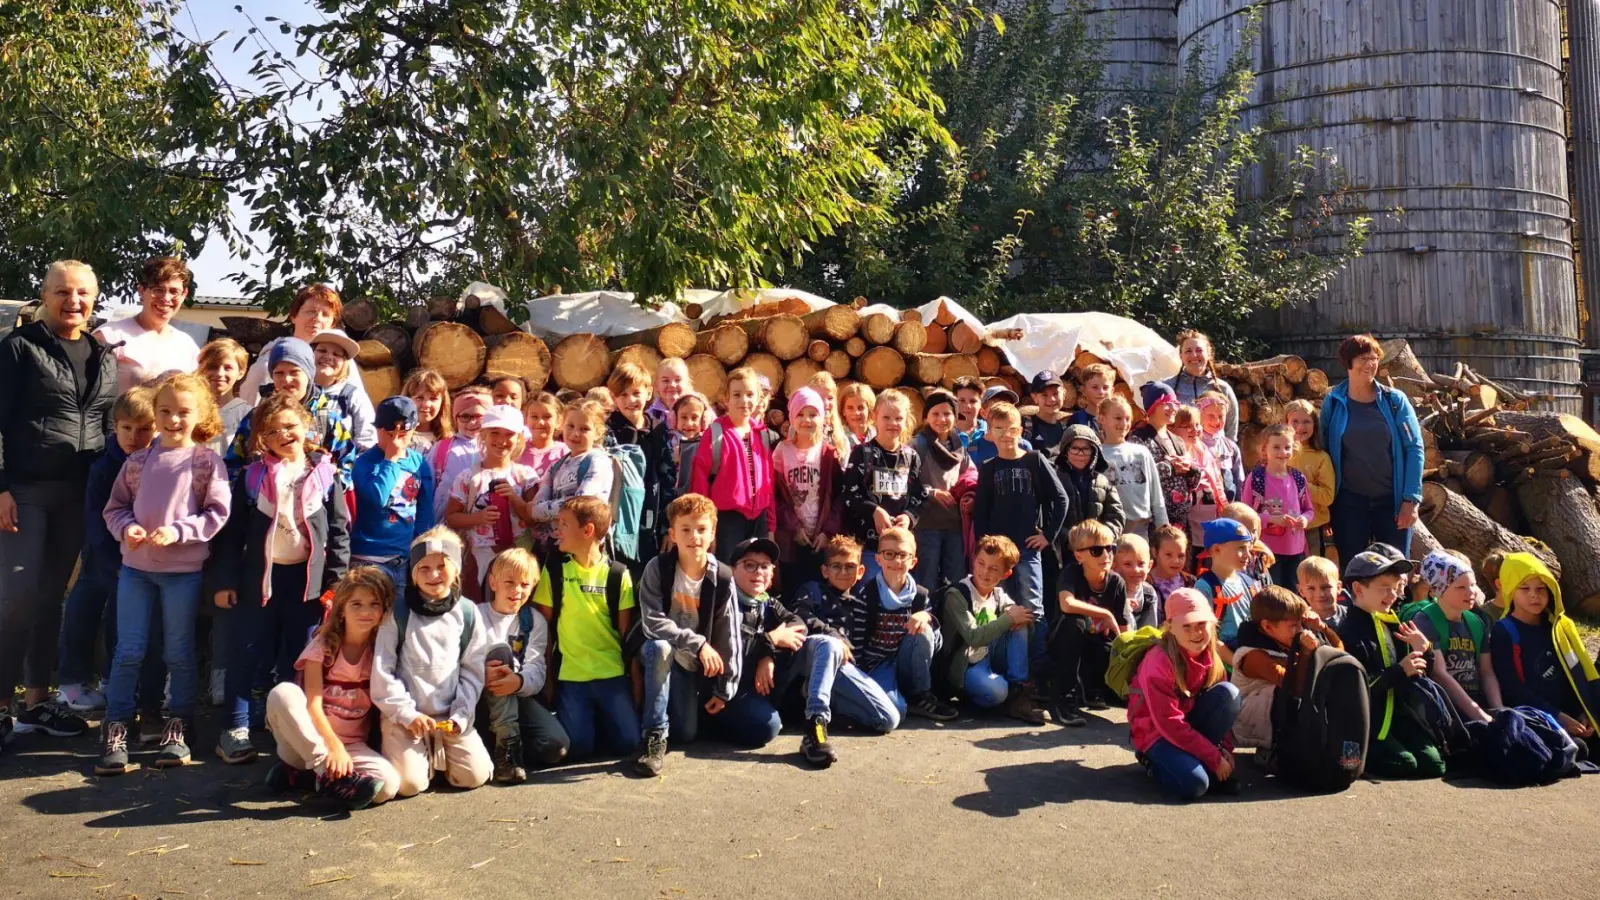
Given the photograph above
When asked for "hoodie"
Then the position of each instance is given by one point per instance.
(736, 487)
(1090, 494)
(423, 672)
(718, 622)
(1531, 660)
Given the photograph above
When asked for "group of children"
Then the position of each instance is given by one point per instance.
(491, 580)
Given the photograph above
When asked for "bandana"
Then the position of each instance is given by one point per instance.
(1440, 570)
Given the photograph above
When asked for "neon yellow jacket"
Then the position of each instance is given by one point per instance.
(1519, 567)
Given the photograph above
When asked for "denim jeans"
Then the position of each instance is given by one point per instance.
(833, 685)
(35, 563)
(598, 713)
(399, 571)
(733, 528)
(671, 694)
(1358, 521)
(749, 720)
(941, 557)
(1179, 773)
(910, 672)
(266, 639)
(989, 680)
(92, 607)
(139, 595)
(1026, 586)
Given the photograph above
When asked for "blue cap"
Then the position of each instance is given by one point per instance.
(395, 412)
(1224, 531)
(1155, 393)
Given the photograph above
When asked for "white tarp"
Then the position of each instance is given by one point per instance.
(1051, 340)
(729, 302)
(928, 310)
(604, 313)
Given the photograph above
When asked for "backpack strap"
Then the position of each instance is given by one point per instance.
(441, 454)
(1258, 481)
(1475, 626)
(469, 621)
(525, 616)
(716, 449)
(614, 595)
(1516, 650)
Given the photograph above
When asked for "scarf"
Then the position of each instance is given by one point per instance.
(946, 454)
(893, 601)
(422, 606)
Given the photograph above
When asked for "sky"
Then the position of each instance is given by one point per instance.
(205, 19)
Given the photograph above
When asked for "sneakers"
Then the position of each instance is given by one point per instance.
(52, 718)
(508, 761)
(113, 749)
(929, 706)
(235, 748)
(174, 750)
(79, 700)
(655, 754)
(1095, 701)
(1020, 706)
(1066, 714)
(283, 778)
(814, 744)
(353, 791)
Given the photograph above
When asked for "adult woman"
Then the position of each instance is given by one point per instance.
(1199, 376)
(147, 345)
(314, 309)
(59, 385)
(1371, 432)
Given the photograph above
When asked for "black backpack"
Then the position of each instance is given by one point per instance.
(1319, 733)
(554, 569)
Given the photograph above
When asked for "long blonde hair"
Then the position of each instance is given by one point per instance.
(442, 427)
(832, 425)
(1180, 662)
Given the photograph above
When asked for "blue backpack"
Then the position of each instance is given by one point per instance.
(626, 499)
(1524, 745)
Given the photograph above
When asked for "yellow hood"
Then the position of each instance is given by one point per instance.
(1519, 567)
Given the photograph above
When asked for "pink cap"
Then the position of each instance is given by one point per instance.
(505, 417)
(803, 398)
(466, 403)
(1186, 605)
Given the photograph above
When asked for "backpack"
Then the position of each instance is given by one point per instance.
(1127, 650)
(556, 564)
(1429, 609)
(1523, 745)
(1320, 731)
(626, 497)
(469, 621)
(201, 471)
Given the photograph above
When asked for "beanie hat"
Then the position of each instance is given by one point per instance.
(293, 350)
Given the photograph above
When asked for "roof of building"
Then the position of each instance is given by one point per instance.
(216, 300)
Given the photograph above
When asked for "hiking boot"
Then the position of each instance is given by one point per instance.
(654, 756)
(79, 699)
(1095, 701)
(508, 761)
(113, 749)
(1036, 691)
(174, 750)
(235, 748)
(151, 725)
(353, 791)
(283, 778)
(51, 717)
(1023, 708)
(814, 744)
(1067, 714)
(929, 706)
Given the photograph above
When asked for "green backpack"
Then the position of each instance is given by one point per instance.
(1127, 650)
(1429, 609)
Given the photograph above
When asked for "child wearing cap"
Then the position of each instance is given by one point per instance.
(1095, 384)
(772, 639)
(393, 493)
(1226, 584)
(427, 673)
(1539, 657)
(1131, 469)
(488, 502)
(952, 482)
(689, 622)
(1092, 602)
(1045, 428)
(336, 375)
(982, 447)
(293, 370)
(1181, 706)
(1179, 478)
(1402, 743)
(1460, 635)
(804, 469)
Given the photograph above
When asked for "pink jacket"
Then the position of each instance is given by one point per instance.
(732, 491)
(1156, 711)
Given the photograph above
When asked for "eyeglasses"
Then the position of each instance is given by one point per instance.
(470, 416)
(754, 567)
(894, 556)
(276, 433)
(841, 567)
(1097, 551)
(1080, 448)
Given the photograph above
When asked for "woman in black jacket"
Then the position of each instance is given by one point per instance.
(57, 385)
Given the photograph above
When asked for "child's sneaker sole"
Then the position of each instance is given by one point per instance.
(173, 762)
(237, 759)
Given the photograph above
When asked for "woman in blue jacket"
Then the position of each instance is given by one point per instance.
(1375, 440)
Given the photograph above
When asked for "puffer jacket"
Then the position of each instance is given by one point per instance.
(49, 430)
(1099, 498)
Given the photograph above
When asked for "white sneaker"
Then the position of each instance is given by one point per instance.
(79, 700)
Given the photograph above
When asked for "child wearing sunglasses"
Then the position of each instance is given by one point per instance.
(1092, 609)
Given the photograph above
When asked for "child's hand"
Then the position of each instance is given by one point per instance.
(787, 637)
(133, 537)
(504, 489)
(1225, 766)
(1311, 621)
(165, 536)
(500, 680)
(764, 676)
(881, 520)
(1019, 615)
(225, 599)
(710, 661)
(918, 623)
(420, 726)
(1413, 664)
(1574, 727)
(968, 501)
(944, 498)
(1037, 541)
(1308, 641)
(338, 764)
(901, 521)
(1413, 636)
(488, 516)
(715, 705)
(1180, 466)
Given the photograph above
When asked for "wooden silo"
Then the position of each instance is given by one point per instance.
(1140, 44)
(1452, 112)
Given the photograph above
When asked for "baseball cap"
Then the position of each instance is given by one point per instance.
(755, 545)
(1186, 605)
(505, 417)
(395, 412)
(1377, 559)
(337, 336)
(1000, 392)
(1042, 381)
(1224, 531)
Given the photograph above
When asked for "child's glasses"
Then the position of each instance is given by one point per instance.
(894, 556)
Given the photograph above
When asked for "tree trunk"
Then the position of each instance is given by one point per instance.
(394, 338)
(442, 309)
(837, 364)
(416, 316)
(819, 350)
(520, 354)
(834, 323)
(1461, 526)
(728, 343)
(783, 336)
(581, 362)
(381, 381)
(645, 356)
(359, 315)
(1561, 512)
(988, 359)
(938, 339)
(492, 321)
(855, 347)
(927, 368)
(958, 365)
(798, 373)
(768, 365)
(1476, 470)
(910, 336)
(453, 350)
(1265, 411)
(1500, 504)
(881, 367)
(964, 338)
(708, 375)
(247, 330)
(877, 329)
(914, 407)
(1315, 387)
(674, 340)
(1423, 542)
